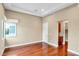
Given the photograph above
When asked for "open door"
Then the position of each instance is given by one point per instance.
(66, 36)
(60, 34)
(62, 38)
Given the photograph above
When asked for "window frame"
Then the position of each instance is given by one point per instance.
(10, 36)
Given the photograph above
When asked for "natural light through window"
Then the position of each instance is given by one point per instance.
(10, 29)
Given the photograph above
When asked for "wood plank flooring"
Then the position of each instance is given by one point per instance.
(37, 49)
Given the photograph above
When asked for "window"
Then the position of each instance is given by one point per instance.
(10, 29)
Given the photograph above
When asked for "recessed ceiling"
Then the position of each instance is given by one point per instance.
(36, 9)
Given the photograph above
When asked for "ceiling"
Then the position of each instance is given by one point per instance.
(36, 9)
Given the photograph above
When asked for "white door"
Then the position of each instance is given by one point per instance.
(45, 32)
(1, 36)
(65, 23)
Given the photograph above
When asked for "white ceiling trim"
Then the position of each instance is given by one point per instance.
(51, 11)
(45, 13)
(22, 11)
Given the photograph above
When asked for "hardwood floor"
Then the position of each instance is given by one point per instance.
(37, 49)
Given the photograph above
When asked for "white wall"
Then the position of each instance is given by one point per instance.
(72, 15)
(29, 28)
(52, 29)
(2, 43)
(45, 32)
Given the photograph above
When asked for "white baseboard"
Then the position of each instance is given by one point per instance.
(55, 45)
(22, 44)
(1, 53)
(73, 51)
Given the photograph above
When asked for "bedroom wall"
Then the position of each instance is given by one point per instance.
(2, 44)
(29, 28)
(52, 29)
(72, 15)
(1, 9)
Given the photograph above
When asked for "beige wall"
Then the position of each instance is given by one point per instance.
(1, 30)
(52, 29)
(72, 15)
(29, 28)
(1, 10)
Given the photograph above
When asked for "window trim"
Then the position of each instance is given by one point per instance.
(15, 30)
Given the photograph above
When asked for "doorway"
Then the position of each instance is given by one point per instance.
(63, 37)
(45, 32)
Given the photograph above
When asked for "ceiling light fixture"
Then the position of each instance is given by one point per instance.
(42, 10)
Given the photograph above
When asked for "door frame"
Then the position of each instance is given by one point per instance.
(45, 32)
